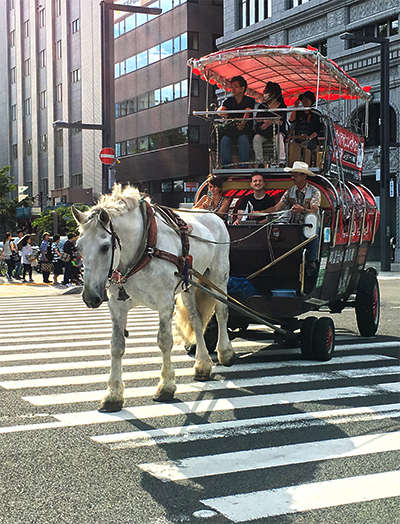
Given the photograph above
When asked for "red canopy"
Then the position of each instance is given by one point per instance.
(295, 69)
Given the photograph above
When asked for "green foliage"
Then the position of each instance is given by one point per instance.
(66, 222)
(7, 206)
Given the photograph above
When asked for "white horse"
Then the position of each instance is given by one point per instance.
(154, 286)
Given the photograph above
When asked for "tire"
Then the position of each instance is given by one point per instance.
(323, 342)
(367, 304)
(306, 337)
(210, 338)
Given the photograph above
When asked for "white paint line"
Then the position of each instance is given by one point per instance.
(201, 387)
(56, 366)
(187, 371)
(70, 327)
(250, 460)
(80, 335)
(229, 428)
(246, 507)
(213, 405)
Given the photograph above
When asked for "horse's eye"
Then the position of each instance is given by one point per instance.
(105, 248)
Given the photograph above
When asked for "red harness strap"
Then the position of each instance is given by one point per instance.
(183, 263)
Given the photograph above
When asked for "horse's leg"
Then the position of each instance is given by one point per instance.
(225, 352)
(114, 398)
(203, 364)
(166, 387)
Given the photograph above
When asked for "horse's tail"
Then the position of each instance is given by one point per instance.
(184, 331)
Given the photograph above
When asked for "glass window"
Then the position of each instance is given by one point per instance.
(383, 29)
(116, 110)
(12, 38)
(27, 67)
(75, 25)
(167, 93)
(141, 18)
(122, 68)
(131, 146)
(154, 54)
(394, 27)
(118, 149)
(142, 59)
(167, 49)
(183, 41)
(177, 44)
(58, 49)
(166, 186)
(42, 17)
(154, 98)
(12, 75)
(184, 88)
(59, 92)
(123, 148)
(26, 29)
(143, 144)
(156, 141)
(116, 70)
(153, 4)
(13, 112)
(130, 64)
(177, 90)
(143, 101)
(166, 5)
(15, 150)
(122, 108)
(116, 30)
(130, 23)
(42, 58)
(193, 40)
(132, 106)
(58, 7)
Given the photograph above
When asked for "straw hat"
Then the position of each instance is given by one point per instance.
(299, 167)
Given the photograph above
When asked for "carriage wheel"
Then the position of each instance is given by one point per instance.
(368, 304)
(323, 339)
(306, 337)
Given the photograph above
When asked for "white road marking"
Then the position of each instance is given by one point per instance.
(199, 387)
(246, 507)
(250, 460)
(228, 428)
(188, 371)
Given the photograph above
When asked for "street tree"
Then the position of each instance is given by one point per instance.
(58, 220)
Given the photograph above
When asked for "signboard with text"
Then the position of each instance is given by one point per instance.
(351, 149)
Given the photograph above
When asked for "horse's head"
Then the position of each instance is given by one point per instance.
(95, 246)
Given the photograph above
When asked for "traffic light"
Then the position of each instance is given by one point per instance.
(21, 193)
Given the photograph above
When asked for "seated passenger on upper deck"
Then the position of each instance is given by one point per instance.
(237, 131)
(305, 130)
(272, 99)
(258, 202)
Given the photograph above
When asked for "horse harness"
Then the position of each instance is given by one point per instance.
(148, 248)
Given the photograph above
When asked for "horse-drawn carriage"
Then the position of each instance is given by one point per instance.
(273, 256)
(136, 252)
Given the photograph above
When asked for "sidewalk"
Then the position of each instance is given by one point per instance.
(35, 289)
(386, 275)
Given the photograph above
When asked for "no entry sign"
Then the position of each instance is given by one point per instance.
(107, 155)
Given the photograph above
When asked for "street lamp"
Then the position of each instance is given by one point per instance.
(384, 139)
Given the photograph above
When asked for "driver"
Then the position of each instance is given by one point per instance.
(302, 198)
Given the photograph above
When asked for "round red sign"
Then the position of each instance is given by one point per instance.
(107, 155)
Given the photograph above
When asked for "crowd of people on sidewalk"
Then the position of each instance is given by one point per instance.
(52, 257)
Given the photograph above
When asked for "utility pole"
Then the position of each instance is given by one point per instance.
(107, 73)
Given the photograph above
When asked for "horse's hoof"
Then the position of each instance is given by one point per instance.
(111, 406)
(163, 396)
(229, 361)
(202, 377)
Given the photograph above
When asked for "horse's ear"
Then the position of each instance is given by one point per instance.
(80, 217)
(103, 217)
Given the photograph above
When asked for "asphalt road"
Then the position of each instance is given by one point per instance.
(283, 441)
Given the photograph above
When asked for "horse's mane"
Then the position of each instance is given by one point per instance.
(120, 201)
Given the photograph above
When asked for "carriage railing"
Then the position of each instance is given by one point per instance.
(221, 120)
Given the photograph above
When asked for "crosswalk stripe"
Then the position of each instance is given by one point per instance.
(246, 507)
(212, 430)
(208, 465)
(73, 343)
(81, 335)
(196, 387)
(76, 323)
(149, 374)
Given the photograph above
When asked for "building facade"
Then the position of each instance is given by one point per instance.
(48, 75)
(320, 23)
(161, 147)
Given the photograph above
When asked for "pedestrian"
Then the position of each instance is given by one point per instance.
(67, 257)
(18, 265)
(8, 253)
(57, 262)
(26, 251)
(392, 242)
(45, 263)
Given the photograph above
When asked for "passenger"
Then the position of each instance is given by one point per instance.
(258, 202)
(214, 200)
(236, 131)
(272, 99)
(306, 128)
(302, 198)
